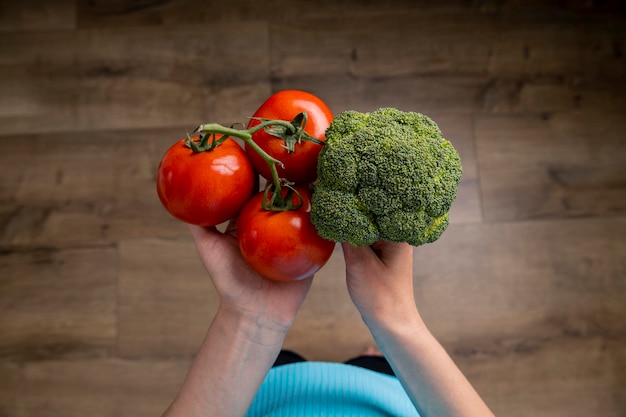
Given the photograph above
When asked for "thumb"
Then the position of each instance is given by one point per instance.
(206, 239)
(200, 233)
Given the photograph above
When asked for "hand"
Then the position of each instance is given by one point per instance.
(245, 335)
(240, 288)
(380, 281)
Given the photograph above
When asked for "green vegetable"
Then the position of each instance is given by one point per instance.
(386, 175)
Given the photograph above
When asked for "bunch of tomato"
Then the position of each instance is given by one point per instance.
(208, 178)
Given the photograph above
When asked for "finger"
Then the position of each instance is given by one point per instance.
(203, 234)
(213, 247)
(199, 231)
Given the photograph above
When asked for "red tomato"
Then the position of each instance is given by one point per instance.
(205, 188)
(300, 165)
(282, 245)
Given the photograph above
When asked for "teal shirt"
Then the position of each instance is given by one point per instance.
(320, 389)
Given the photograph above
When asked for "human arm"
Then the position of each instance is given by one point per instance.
(245, 335)
(380, 282)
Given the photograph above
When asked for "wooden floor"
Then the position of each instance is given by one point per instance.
(102, 300)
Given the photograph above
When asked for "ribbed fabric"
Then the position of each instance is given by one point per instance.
(320, 389)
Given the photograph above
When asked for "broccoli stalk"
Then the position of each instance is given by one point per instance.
(386, 175)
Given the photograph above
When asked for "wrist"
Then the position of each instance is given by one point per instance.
(253, 325)
(395, 322)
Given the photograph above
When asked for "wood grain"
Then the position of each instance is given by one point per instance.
(524, 280)
(131, 78)
(102, 387)
(115, 13)
(566, 165)
(437, 94)
(57, 303)
(107, 13)
(509, 45)
(103, 301)
(83, 188)
(532, 312)
(166, 299)
(566, 376)
(349, 46)
(35, 15)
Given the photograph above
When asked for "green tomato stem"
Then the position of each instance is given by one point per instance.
(266, 123)
(293, 132)
(246, 136)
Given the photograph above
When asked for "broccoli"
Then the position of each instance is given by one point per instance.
(386, 175)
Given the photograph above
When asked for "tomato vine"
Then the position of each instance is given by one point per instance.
(292, 132)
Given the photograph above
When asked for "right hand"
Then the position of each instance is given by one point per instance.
(380, 281)
(241, 289)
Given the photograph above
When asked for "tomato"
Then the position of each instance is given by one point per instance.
(300, 165)
(282, 245)
(205, 188)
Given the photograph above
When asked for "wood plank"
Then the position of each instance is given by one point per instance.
(546, 95)
(412, 44)
(35, 15)
(166, 298)
(77, 188)
(565, 165)
(524, 280)
(436, 94)
(98, 387)
(57, 303)
(574, 377)
(108, 13)
(503, 45)
(570, 44)
(532, 312)
(131, 78)
(96, 13)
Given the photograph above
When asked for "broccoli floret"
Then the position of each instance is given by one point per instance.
(386, 175)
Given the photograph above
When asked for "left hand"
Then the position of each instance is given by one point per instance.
(241, 289)
(380, 282)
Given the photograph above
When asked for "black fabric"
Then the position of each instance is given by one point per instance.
(286, 356)
(374, 363)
